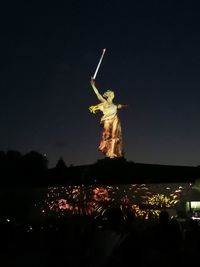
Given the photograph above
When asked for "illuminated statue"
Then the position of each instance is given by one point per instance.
(111, 141)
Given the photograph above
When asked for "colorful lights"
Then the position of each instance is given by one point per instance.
(146, 200)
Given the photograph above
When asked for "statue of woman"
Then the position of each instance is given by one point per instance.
(111, 141)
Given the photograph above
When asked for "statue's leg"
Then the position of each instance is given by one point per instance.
(119, 140)
(116, 140)
(113, 148)
(103, 144)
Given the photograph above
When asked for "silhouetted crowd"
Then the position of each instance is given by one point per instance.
(115, 239)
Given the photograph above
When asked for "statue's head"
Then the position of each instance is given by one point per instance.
(109, 94)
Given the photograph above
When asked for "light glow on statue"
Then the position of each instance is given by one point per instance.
(111, 140)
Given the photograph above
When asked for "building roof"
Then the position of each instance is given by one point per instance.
(106, 171)
(120, 171)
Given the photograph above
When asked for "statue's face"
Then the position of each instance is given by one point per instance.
(109, 94)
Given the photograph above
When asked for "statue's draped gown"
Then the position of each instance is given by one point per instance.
(111, 141)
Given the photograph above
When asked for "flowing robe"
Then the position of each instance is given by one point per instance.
(111, 141)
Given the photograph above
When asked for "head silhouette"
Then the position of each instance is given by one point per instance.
(164, 217)
(114, 217)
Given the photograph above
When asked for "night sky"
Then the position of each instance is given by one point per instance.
(50, 49)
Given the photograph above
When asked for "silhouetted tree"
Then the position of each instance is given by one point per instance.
(61, 164)
(2, 159)
(13, 158)
(34, 161)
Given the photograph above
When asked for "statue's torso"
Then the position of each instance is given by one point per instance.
(109, 110)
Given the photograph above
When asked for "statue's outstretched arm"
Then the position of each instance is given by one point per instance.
(99, 96)
(119, 106)
(96, 108)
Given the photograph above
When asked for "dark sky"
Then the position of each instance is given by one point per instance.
(50, 49)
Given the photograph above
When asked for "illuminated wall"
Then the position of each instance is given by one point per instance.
(144, 199)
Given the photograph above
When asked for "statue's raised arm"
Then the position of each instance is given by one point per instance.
(99, 96)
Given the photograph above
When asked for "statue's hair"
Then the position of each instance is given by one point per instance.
(109, 91)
